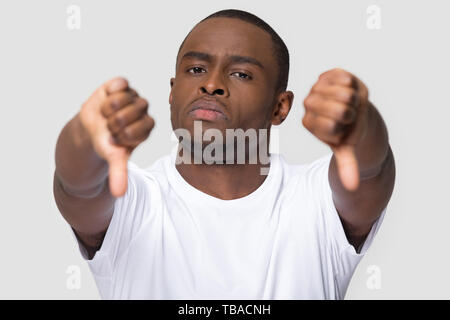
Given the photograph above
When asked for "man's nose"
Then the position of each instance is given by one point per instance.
(214, 84)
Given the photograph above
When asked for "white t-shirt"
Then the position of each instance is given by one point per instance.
(169, 240)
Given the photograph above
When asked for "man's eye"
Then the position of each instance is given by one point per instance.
(195, 70)
(242, 75)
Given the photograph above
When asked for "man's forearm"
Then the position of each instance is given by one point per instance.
(78, 166)
(373, 149)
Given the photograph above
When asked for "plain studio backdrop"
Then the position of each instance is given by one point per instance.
(48, 69)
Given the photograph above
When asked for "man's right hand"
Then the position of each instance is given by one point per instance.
(117, 121)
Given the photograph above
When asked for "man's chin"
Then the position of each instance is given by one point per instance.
(203, 126)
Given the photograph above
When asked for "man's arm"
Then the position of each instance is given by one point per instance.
(362, 169)
(80, 186)
(91, 158)
(360, 208)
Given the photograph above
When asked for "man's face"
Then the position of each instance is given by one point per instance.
(228, 64)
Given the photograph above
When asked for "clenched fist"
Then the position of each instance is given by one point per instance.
(336, 112)
(117, 121)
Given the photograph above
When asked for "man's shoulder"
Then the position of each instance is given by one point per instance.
(151, 174)
(292, 169)
(308, 176)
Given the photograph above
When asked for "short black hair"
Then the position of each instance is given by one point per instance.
(281, 52)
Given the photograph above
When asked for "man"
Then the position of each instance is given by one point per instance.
(187, 228)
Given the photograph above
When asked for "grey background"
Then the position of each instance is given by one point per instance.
(47, 71)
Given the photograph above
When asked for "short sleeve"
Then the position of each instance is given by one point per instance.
(131, 212)
(343, 255)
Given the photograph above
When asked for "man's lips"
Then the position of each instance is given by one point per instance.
(207, 110)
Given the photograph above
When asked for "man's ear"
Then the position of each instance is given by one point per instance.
(282, 107)
(172, 81)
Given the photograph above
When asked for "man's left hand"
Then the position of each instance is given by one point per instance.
(336, 112)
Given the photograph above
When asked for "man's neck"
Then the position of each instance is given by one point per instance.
(224, 181)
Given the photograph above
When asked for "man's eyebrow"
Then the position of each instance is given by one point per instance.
(242, 59)
(197, 55)
(234, 58)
